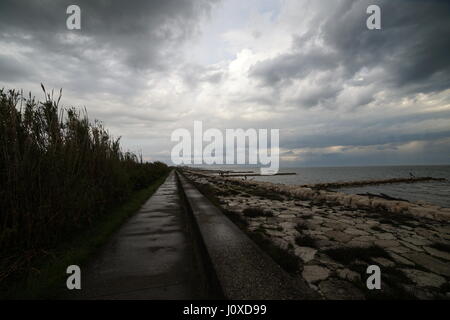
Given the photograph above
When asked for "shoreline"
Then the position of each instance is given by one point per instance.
(429, 184)
(334, 236)
(321, 192)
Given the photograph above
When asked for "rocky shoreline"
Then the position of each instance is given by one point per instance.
(330, 238)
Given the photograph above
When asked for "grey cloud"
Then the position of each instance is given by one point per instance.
(12, 70)
(120, 45)
(411, 47)
(430, 153)
(411, 50)
(369, 131)
(194, 74)
(292, 65)
(214, 77)
(140, 31)
(357, 137)
(319, 95)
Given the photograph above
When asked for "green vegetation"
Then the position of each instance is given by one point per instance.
(46, 279)
(60, 176)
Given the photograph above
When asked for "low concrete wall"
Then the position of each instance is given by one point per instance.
(242, 269)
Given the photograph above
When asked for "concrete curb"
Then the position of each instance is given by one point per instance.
(242, 269)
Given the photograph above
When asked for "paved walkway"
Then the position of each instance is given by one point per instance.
(150, 257)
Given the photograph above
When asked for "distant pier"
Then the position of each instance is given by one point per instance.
(347, 184)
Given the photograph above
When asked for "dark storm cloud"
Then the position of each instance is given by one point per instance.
(141, 33)
(412, 46)
(370, 131)
(293, 65)
(411, 50)
(320, 94)
(119, 44)
(356, 137)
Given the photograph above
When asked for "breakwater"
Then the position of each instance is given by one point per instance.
(344, 184)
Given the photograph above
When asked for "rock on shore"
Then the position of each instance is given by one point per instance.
(335, 236)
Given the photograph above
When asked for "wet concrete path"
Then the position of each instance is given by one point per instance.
(150, 257)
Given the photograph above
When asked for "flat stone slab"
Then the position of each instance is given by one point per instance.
(401, 260)
(355, 232)
(383, 262)
(347, 274)
(430, 263)
(340, 290)
(386, 236)
(315, 273)
(424, 279)
(305, 253)
(438, 253)
(339, 236)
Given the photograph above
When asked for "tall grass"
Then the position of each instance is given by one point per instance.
(58, 173)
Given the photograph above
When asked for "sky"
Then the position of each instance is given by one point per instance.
(339, 93)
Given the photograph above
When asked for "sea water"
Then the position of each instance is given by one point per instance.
(435, 192)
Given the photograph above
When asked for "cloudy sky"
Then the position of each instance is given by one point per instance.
(339, 93)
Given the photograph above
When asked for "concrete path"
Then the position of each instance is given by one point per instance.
(150, 257)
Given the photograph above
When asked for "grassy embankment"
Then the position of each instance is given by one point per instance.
(65, 186)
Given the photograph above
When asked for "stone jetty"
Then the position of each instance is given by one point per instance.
(346, 184)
